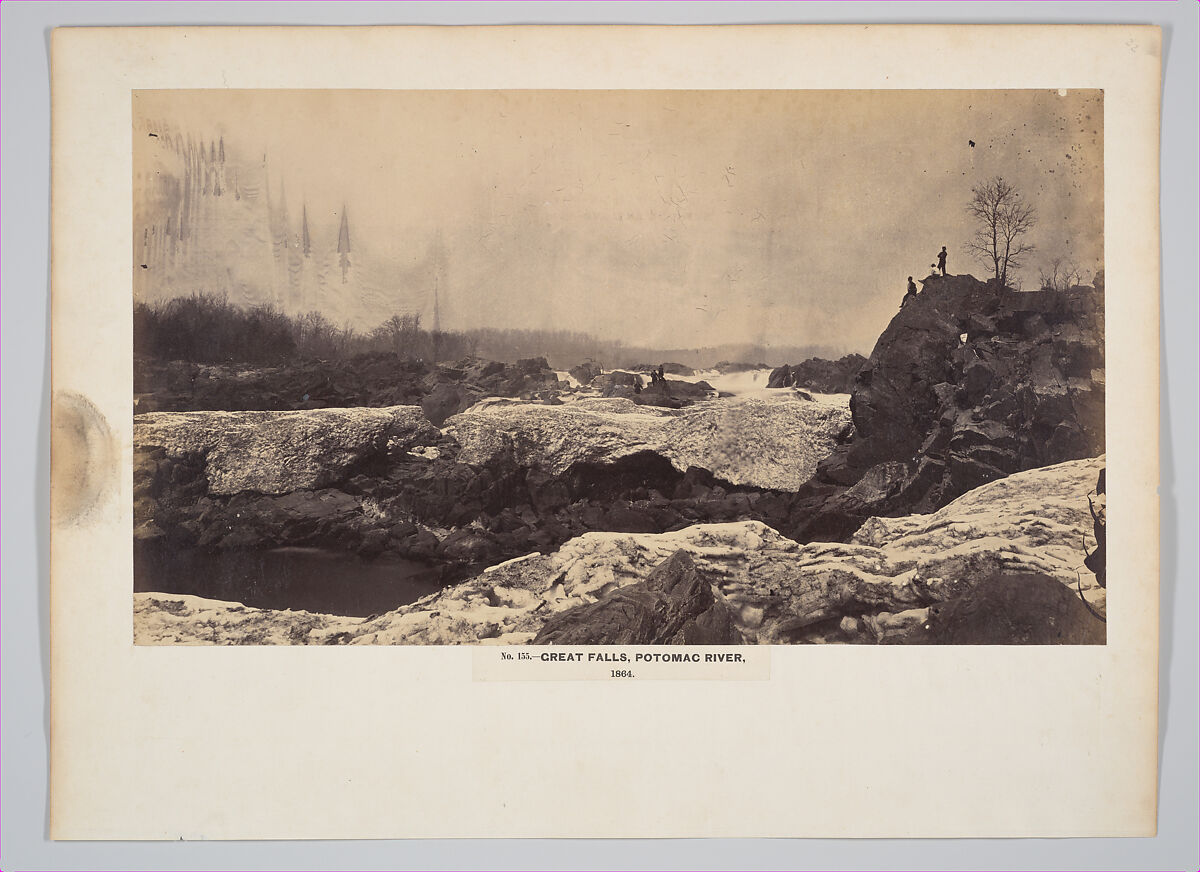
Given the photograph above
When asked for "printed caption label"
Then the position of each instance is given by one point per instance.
(623, 663)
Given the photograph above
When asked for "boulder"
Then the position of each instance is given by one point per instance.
(771, 443)
(585, 372)
(280, 452)
(817, 374)
(1016, 609)
(447, 399)
(673, 606)
(674, 394)
(617, 378)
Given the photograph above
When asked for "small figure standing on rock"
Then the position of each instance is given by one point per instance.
(942, 260)
(662, 376)
(910, 293)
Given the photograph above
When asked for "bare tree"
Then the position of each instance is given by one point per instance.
(1061, 276)
(400, 332)
(1003, 220)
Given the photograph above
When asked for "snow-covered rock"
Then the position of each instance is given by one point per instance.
(182, 619)
(773, 442)
(281, 452)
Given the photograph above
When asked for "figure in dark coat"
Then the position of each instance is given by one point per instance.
(942, 260)
(910, 293)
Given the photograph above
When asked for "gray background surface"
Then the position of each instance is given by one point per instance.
(25, 124)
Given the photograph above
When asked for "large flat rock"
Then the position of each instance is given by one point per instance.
(281, 452)
(773, 442)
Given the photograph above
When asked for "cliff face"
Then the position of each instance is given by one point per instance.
(970, 382)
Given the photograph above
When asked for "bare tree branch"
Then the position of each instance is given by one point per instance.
(1003, 220)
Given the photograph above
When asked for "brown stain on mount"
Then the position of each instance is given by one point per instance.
(83, 460)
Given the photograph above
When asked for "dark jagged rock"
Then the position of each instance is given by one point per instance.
(817, 374)
(970, 382)
(1024, 609)
(673, 606)
(447, 399)
(673, 394)
(640, 389)
(1097, 559)
(618, 378)
(585, 372)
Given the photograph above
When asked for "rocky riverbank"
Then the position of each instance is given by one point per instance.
(593, 506)
(499, 480)
(983, 561)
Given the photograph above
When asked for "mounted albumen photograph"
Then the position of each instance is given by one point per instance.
(554, 367)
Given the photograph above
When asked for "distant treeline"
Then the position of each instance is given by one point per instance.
(207, 328)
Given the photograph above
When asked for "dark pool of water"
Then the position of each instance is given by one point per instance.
(309, 579)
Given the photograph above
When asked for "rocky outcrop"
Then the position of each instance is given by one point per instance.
(618, 378)
(426, 503)
(643, 390)
(770, 443)
(1023, 609)
(280, 452)
(674, 394)
(675, 605)
(818, 374)
(453, 389)
(586, 371)
(970, 382)
(880, 587)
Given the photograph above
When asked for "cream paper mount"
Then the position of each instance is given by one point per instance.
(164, 741)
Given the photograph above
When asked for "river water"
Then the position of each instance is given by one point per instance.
(308, 579)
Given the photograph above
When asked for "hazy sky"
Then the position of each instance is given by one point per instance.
(674, 218)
